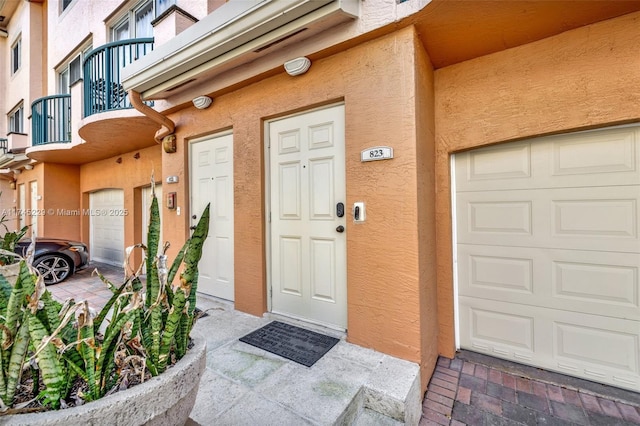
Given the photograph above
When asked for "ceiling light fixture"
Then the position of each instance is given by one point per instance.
(297, 66)
(202, 102)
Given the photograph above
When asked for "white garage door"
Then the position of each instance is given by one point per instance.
(107, 226)
(548, 253)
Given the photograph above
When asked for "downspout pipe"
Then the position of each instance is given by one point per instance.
(167, 127)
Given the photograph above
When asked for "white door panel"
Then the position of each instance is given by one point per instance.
(571, 280)
(590, 346)
(107, 229)
(595, 218)
(308, 254)
(597, 158)
(211, 166)
(548, 253)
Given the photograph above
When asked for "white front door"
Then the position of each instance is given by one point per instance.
(211, 165)
(107, 228)
(308, 242)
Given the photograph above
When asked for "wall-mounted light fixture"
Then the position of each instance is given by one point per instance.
(202, 102)
(136, 155)
(119, 160)
(297, 66)
(169, 144)
(12, 184)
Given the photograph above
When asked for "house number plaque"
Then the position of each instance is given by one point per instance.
(376, 153)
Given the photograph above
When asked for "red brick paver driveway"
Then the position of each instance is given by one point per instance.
(478, 390)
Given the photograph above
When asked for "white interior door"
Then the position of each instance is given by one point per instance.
(211, 166)
(549, 253)
(308, 242)
(107, 228)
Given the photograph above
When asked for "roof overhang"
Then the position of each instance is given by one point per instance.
(237, 32)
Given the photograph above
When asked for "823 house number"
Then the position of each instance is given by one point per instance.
(376, 153)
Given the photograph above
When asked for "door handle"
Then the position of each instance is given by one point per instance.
(340, 228)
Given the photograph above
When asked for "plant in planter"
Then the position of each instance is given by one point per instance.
(68, 357)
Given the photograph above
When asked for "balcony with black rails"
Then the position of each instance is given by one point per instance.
(4, 146)
(99, 121)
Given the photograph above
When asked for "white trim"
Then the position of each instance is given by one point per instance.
(454, 254)
(235, 30)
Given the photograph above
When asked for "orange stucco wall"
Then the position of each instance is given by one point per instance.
(585, 78)
(425, 153)
(61, 198)
(390, 279)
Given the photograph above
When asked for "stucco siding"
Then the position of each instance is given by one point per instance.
(584, 78)
(376, 81)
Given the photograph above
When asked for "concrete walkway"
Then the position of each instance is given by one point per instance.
(244, 385)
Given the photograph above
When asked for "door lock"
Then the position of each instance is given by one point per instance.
(340, 228)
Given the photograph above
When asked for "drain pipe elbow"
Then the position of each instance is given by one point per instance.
(167, 127)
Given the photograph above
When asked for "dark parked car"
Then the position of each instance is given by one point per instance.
(56, 259)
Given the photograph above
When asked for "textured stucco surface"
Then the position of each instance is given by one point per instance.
(584, 78)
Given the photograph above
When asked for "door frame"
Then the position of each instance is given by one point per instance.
(267, 200)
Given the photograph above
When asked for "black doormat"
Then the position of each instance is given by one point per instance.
(297, 344)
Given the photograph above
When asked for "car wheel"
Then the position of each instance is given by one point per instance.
(53, 268)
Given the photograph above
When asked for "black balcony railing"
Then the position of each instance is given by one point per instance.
(102, 85)
(4, 146)
(51, 120)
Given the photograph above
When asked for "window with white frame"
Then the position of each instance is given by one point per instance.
(137, 22)
(16, 118)
(71, 72)
(16, 55)
(64, 4)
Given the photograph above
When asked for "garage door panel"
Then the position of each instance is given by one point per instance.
(577, 281)
(604, 158)
(605, 350)
(548, 253)
(602, 218)
(107, 227)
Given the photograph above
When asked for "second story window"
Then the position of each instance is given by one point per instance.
(65, 4)
(16, 118)
(16, 56)
(71, 72)
(137, 22)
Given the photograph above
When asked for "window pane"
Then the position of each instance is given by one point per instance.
(75, 70)
(15, 121)
(121, 32)
(66, 3)
(144, 16)
(162, 5)
(15, 56)
(63, 82)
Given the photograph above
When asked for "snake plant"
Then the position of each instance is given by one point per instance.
(64, 348)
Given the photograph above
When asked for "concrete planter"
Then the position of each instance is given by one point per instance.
(163, 401)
